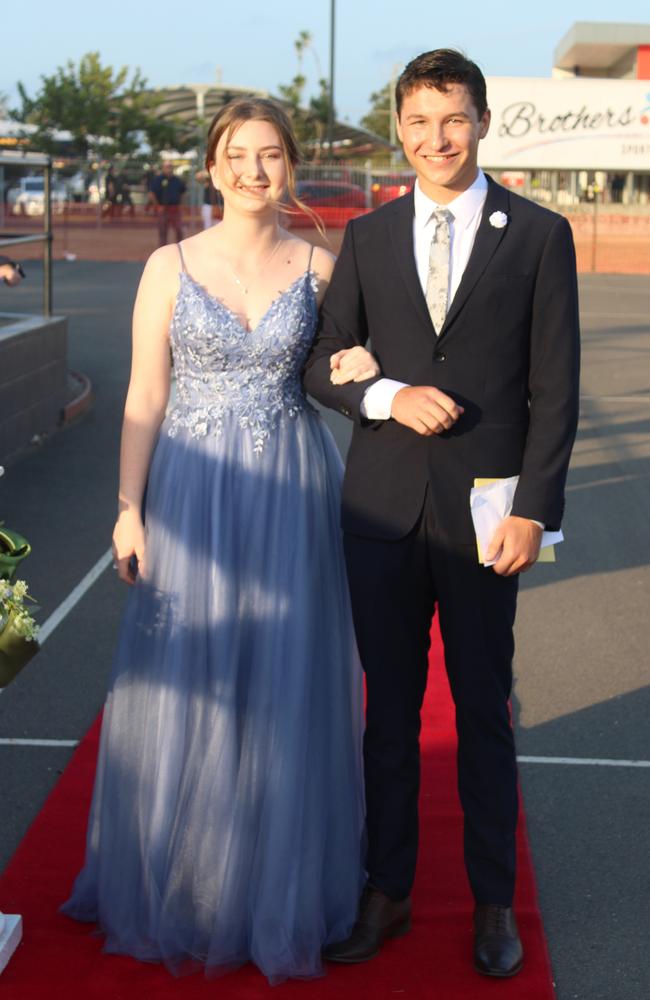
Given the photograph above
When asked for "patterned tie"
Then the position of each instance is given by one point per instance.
(438, 277)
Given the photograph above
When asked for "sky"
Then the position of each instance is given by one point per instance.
(251, 43)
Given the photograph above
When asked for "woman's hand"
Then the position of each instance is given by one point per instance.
(128, 546)
(355, 364)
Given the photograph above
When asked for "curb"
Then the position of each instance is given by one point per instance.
(81, 401)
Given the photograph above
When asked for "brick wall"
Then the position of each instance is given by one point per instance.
(611, 242)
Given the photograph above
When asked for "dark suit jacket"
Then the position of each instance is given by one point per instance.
(508, 352)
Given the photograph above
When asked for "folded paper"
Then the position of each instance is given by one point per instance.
(490, 502)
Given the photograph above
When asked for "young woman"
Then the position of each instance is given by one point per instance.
(227, 817)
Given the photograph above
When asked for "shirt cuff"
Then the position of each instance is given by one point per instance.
(378, 398)
(538, 523)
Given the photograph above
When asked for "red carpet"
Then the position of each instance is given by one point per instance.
(61, 959)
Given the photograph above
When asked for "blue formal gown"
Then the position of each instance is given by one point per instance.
(227, 817)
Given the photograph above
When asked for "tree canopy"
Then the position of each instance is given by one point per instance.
(107, 112)
(377, 120)
(309, 122)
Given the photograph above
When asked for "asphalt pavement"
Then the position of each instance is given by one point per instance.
(582, 693)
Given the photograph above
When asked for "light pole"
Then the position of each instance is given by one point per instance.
(397, 69)
(330, 110)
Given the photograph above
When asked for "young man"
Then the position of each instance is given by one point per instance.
(468, 295)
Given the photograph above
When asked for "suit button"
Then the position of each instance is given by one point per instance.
(439, 356)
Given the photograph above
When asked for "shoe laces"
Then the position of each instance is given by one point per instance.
(496, 921)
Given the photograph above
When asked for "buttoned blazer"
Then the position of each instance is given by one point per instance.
(508, 353)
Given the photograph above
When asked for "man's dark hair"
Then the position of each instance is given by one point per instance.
(439, 69)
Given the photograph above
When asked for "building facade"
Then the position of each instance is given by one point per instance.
(584, 133)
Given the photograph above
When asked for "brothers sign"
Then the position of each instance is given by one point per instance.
(569, 124)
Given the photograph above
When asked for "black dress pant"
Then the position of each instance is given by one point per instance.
(395, 587)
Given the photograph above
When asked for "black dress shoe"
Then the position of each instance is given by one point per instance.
(379, 918)
(497, 947)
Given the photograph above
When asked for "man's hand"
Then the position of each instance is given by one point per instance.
(10, 273)
(354, 364)
(517, 540)
(425, 409)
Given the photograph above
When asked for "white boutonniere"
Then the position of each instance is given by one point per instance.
(498, 220)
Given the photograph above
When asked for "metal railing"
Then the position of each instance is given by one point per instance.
(7, 239)
(610, 235)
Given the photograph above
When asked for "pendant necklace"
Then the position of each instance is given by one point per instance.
(238, 280)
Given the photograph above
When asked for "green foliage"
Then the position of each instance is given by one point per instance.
(308, 122)
(293, 92)
(301, 44)
(106, 112)
(378, 118)
(320, 106)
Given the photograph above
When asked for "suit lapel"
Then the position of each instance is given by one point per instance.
(401, 232)
(486, 242)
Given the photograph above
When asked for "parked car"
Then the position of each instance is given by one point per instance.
(77, 186)
(385, 187)
(332, 172)
(334, 201)
(28, 197)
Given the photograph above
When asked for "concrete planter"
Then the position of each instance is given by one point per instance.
(33, 378)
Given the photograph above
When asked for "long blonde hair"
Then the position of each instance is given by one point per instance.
(245, 109)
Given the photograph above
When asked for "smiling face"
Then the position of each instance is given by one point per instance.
(250, 168)
(440, 132)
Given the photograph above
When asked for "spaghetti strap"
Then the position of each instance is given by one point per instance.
(180, 251)
(311, 254)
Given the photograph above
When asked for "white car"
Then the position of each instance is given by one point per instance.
(28, 198)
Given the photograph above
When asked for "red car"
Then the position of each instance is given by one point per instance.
(334, 201)
(385, 187)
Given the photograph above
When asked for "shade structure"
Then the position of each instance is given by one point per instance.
(192, 105)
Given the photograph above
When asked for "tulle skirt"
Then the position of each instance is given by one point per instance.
(227, 817)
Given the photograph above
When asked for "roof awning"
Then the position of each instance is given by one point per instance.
(597, 45)
(196, 104)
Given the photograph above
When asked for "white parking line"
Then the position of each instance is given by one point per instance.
(6, 742)
(580, 761)
(585, 761)
(73, 598)
(614, 316)
(632, 398)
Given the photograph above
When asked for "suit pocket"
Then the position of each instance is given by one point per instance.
(497, 449)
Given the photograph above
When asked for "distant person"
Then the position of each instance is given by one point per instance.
(211, 199)
(124, 195)
(617, 188)
(148, 178)
(110, 193)
(10, 272)
(168, 191)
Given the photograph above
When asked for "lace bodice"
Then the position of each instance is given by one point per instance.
(223, 368)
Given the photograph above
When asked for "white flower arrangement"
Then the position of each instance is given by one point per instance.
(13, 611)
(498, 220)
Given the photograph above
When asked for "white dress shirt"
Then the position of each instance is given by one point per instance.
(466, 209)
